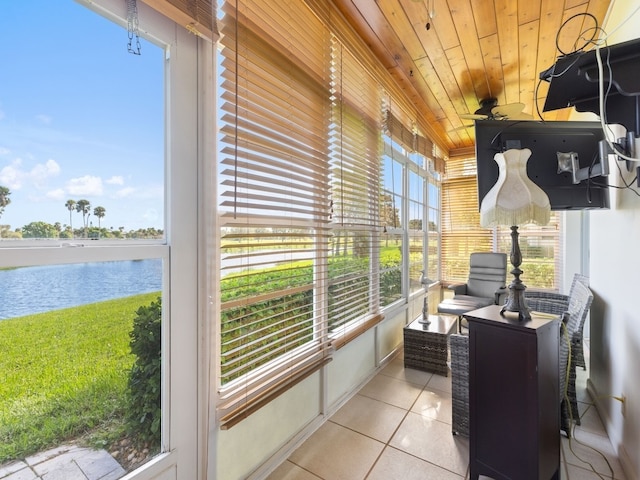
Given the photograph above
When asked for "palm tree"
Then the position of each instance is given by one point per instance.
(100, 213)
(71, 206)
(84, 207)
(4, 198)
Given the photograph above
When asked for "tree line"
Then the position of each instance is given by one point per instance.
(41, 229)
(84, 207)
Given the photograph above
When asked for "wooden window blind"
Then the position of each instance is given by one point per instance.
(197, 16)
(355, 188)
(461, 231)
(274, 211)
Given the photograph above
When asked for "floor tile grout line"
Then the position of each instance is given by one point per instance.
(424, 387)
(406, 414)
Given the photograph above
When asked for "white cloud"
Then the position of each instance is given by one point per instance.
(58, 194)
(87, 185)
(41, 172)
(115, 180)
(12, 176)
(4, 151)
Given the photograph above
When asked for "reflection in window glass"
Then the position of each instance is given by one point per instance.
(416, 230)
(81, 127)
(68, 338)
(433, 230)
(391, 208)
(349, 291)
(390, 268)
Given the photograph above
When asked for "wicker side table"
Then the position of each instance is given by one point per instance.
(426, 345)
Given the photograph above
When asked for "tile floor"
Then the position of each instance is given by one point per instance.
(398, 426)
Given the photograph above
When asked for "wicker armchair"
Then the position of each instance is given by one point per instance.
(556, 304)
(577, 341)
(580, 299)
(573, 309)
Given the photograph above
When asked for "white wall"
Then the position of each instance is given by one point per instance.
(613, 271)
(265, 439)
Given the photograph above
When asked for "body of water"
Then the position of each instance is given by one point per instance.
(28, 290)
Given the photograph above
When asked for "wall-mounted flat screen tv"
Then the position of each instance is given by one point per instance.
(545, 140)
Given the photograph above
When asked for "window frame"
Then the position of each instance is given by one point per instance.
(396, 150)
(179, 250)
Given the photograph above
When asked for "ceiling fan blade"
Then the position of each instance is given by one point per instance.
(510, 110)
(472, 116)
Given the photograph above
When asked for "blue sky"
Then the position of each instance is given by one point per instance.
(80, 117)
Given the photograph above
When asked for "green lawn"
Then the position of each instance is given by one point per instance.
(63, 374)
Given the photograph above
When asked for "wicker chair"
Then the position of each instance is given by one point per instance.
(459, 350)
(580, 299)
(573, 308)
(577, 341)
(556, 304)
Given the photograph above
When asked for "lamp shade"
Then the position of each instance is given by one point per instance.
(515, 199)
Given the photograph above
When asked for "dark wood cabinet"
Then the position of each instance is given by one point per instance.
(514, 396)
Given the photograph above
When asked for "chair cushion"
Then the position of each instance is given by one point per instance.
(463, 303)
(487, 273)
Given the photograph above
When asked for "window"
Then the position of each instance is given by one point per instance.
(541, 254)
(416, 226)
(99, 135)
(392, 252)
(354, 186)
(407, 189)
(313, 245)
(82, 155)
(461, 232)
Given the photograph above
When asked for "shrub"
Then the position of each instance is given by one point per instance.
(144, 384)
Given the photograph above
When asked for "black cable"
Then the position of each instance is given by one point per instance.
(535, 96)
(595, 29)
(626, 187)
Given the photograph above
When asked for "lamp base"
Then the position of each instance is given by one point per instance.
(516, 301)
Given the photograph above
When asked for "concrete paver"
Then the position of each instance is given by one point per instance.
(67, 462)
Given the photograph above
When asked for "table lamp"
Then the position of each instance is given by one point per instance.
(515, 200)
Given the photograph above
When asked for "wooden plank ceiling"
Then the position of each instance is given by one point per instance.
(449, 55)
